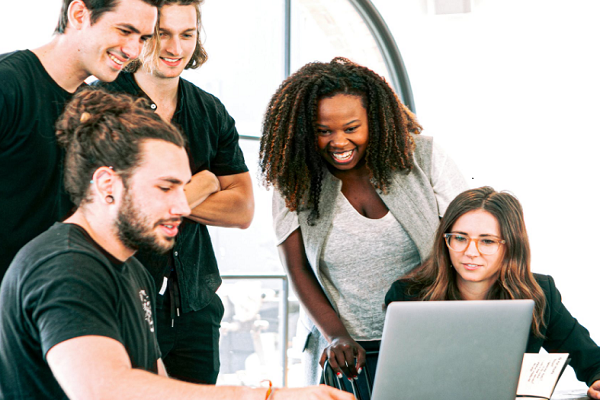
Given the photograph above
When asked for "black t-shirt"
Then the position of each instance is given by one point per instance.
(62, 285)
(32, 196)
(213, 145)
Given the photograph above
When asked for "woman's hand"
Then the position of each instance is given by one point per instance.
(594, 390)
(345, 356)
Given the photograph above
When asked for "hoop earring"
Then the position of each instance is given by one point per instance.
(109, 199)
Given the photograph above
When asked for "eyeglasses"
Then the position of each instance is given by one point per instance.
(459, 242)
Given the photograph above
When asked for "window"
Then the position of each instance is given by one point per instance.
(251, 51)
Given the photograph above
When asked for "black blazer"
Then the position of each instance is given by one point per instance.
(562, 333)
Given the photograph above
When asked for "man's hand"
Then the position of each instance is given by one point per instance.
(594, 390)
(320, 392)
(202, 185)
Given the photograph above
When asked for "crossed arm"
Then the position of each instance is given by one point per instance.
(226, 201)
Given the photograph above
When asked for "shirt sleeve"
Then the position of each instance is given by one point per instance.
(6, 112)
(284, 221)
(564, 334)
(229, 159)
(71, 296)
(446, 179)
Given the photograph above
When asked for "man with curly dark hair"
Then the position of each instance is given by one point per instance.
(358, 196)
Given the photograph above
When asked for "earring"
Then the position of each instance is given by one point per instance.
(109, 199)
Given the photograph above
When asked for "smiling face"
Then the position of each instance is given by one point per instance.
(342, 131)
(153, 203)
(116, 38)
(476, 272)
(178, 31)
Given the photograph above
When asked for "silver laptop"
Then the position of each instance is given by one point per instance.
(458, 350)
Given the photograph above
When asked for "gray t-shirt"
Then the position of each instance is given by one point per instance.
(361, 259)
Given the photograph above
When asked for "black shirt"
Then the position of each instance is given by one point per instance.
(562, 333)
(213, 145)
(60, 286)
(32, 196)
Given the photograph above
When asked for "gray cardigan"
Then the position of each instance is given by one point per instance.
(410, 199)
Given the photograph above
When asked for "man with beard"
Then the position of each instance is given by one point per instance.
(77, 316)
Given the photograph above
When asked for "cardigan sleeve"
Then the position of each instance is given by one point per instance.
(564, 334)
(284, 221)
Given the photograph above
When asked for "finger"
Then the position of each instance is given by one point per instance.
(361, 359)
(333, 362)
(341, 360)
(350, 356)
(323, 358)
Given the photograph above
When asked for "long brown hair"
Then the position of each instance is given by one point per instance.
(436, 278)
(289, 156)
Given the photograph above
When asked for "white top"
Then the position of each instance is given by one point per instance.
(361, 259)
(445, 178)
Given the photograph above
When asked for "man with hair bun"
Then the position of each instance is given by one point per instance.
(220, 193)
(93, 37)
(77, 316)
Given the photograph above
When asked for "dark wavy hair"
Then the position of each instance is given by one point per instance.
(151, 50)
(289, 157)
(436, 278)
(96, 8)
(102, 129)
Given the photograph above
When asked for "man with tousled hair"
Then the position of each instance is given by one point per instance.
(77, 316)
(220, 193)
(93, 37)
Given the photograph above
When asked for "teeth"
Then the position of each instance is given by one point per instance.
(342, 156)
(169, 226)
(171, 59)
(115, 59)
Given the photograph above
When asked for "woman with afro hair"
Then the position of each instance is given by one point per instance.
(359, 193)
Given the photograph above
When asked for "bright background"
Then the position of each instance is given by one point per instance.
(510, 90)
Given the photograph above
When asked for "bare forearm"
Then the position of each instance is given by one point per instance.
(202, 185)
(307, 288)
(232, 206)
(138, 384)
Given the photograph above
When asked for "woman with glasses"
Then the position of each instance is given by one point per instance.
(481, 252)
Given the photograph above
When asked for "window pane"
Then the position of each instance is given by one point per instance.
(322, 30)
(252, 331)
(251, 251)
(244, 41)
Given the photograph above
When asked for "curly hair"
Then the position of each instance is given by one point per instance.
(289, 157)
(436, 279)
(101, 129)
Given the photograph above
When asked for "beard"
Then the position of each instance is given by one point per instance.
(136, 231)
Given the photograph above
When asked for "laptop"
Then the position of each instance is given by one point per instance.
(458, 350)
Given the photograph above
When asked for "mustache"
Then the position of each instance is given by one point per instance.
(169, 221)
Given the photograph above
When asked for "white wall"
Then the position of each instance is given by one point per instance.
(512, 91)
